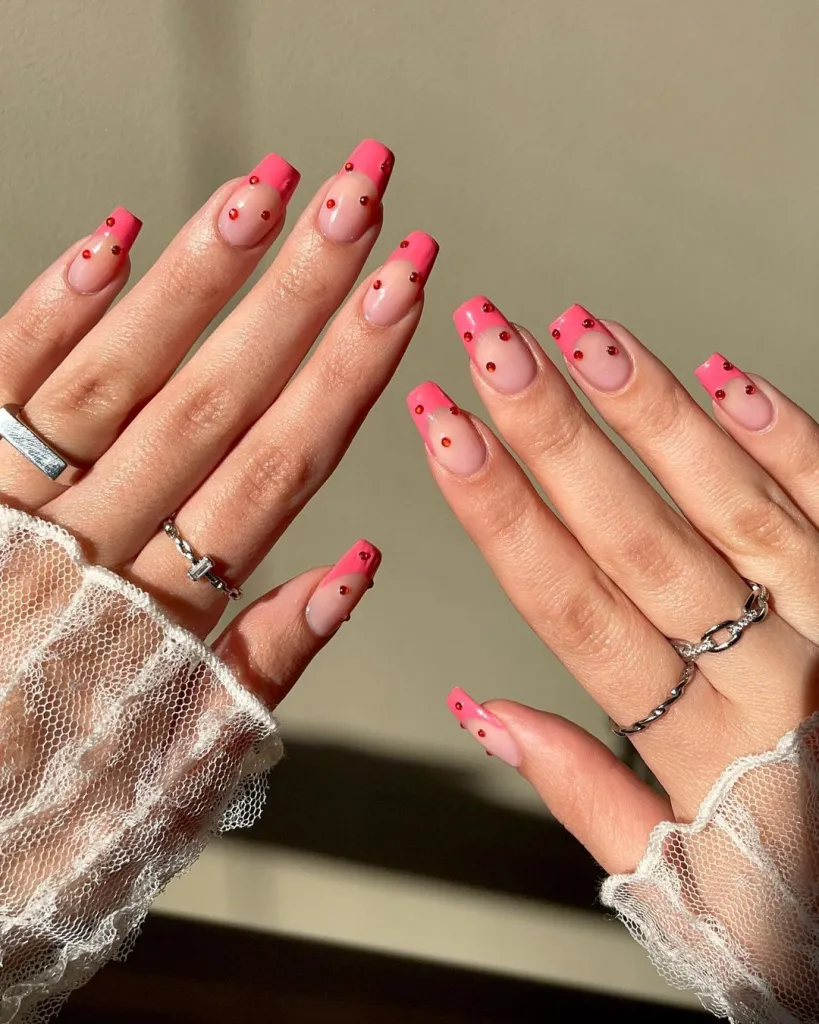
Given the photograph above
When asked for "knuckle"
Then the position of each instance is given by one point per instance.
(276, 476)
(759, 521)
(192, 278)
(302, 284)
(585, 621)
(664, 412)
(204, 414)
(656, 555)
(95, 393)
(562, 436)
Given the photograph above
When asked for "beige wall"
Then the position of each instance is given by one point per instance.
(657, 161)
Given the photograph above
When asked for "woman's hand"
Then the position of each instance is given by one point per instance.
(221, 445)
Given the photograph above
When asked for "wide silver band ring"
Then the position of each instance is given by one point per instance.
(754, 610)
(36, 449)
(201, 567)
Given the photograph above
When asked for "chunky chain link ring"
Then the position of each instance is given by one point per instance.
(754, 610)
(201, 568)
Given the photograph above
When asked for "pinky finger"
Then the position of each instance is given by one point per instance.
(270, 645)
(596, 797)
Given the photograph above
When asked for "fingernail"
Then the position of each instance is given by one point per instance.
(502, 357)
(342, 588)
(258, 204)
(592, 349)
(487, 728)
(100, 259)
(397, 285)
(735, 393)
(355, 193)
(447, 432)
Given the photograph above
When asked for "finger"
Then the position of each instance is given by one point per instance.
(181, 436)
(596, 797)
(62, 305)
(724, 492)
(289, 453)
(127, 358)
(607, 644)
(775, 432)
(269, 645)
(653, 555)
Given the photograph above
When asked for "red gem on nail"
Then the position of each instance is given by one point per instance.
(719, 393)
(458, 706)
(482, 733)
(505, 335)
(265, 214)
(489, 753)
(555, 333)
(613, 350)
(467, 335)
(110, 221)
(344, 590)
(418, 410)
(116, 250)
(331, 203)
(487, 307)
(588, 323)
(577, 354)
(364, 556)
(288, 185)
(233, 213)
(404, 244)
(376, 285)
(348, 166)
(490, 367)
(364, 200)
(749, 389)
(414, 276)
(86, 254)
(253, 179)
(446, 442)
(385, 167)
(727, 366)
(455, 410)
(461, 724)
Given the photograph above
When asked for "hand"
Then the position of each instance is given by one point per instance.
(624, 570)
(222, 444)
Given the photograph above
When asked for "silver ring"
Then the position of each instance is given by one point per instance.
(201, 568)
(35, 448)
(754, 610)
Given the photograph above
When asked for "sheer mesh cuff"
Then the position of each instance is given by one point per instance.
(125, 744)
(729, 905)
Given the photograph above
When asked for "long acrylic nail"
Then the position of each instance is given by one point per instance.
(487, 728)
(397, 285)
(502, 357)
(447, 432)
(258, 204)
(354, 195)
(342, 588)
(100, 259)
(592, 349)
(735, 393)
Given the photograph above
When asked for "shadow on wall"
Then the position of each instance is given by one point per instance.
(416, 818)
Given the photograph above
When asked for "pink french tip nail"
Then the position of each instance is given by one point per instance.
(398, 284)
(501, 356)
(100, 259)
(258, 203)
(349, 206)
(487, 728)
(342, 588)
(735, 393)
(447, 432)
(592, 349)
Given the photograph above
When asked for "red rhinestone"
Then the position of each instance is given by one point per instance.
(364, 200)
(458, 706)
(505, 335)
(727, 366)
(110, 221)
(487, 307)
(555, 333)
(613, 350)
(482, 733)
(749, 389)
(331, 203)
(467, 335)
(418, 410)
(414, 276)
(404, 244)
(348, 166)
(719, 393)
(376, 285)
(364, 556)
(116, 250)
(265, 214)
(588, 323)
(385, 167)
(455, 410)
(233, 213)
(490, 367)
(344, 590)
(253, 179)
(489, 753)
(577, 354)
(446, 442)
(461, 724)
(288, 185)
(86, 254)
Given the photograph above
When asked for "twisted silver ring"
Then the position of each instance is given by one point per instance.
(201, 568)
(754, 610)
(36, 449)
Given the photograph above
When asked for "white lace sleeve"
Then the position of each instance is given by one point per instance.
(124, 746)
(729, 905)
